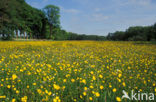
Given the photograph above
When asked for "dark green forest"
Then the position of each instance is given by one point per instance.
(137, 33)
(20, 20)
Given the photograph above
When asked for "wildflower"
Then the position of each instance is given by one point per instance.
(56, 99)
(118, 99)
(24, 99)
(84, 93)
(124, 84)
(14, 76)
(72, 80)
(100, 76)
(92, 72)
(39, 91)
(119, 75)
(49, 93)
(101, 87)
(13, 100)
(28, 86)
(90, 98)
(91, 87)
(114, 90)
(84, 81)
(57, 87)
(2, 97)
(110, 86)
(94, 78)
(17, 91)
(34, 84)
(64, 80)
(8, 86)
(85, 88)
(97, 94)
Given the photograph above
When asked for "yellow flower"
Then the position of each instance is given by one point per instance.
(92, 66)
(85, 88)
(2, 97)
(13, 100)
(100, 76)
(118, 99)
(97, 94)
(84, 81)
(39, 91)
(91, 87)
(64, 80)
(92, 72)
(94, 78)
(72, 80)
(49, 93)
(63, 87)
(8, 86)
(84, 93)
(17, 91)
(119, 75)
(110, 86)
(34, 84)
(57, 87)
(75, 100)
(14, 76)
(81, 96)
(101, 87)
(114, 90)
(56, 99)
(28, 86)
(90, 98)
(24, 99)
(124, 84)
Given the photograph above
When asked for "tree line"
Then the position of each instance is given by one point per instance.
(136, 33)
(20, 20)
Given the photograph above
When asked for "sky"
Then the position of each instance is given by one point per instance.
(99, 17)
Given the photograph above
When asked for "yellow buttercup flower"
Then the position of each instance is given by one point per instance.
(84, 93)
(57, 87)
(101, 87)
(2, 97)
(13, 100)
(97, 94)
(118, 99)
(114, 90)
(72, 80)
(14, 76)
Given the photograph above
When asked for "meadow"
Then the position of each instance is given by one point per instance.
(75, 71)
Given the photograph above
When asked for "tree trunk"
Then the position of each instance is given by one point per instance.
(30, 35)
(43, 30)
(20, 34)
(3, 34)
(16, 33)
(50, 30)
(24, 34)
(27, 35)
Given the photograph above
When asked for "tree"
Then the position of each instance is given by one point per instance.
(52, 13)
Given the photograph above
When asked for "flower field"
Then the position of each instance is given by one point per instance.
(75, 71)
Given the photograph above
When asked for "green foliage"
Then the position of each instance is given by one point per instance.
(137, 33)
(52, 14)
(74, 36)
